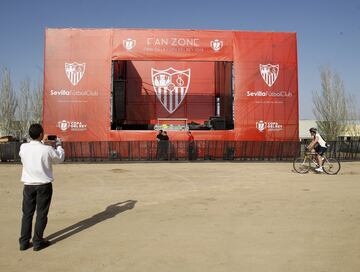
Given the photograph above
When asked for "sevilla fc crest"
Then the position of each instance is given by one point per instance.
(261, 125)
(269, 73)
(170, 86)
(74, 72)
(129, 44)
(63, 125)
(216, 45)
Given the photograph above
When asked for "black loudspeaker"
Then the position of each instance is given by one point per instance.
(218, 123)
(119, 100)
(194, 127)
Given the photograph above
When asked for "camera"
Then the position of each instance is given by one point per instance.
(51, 137)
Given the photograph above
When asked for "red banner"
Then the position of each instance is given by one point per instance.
(178, 74)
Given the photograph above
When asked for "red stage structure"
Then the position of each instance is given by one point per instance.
(124, 84)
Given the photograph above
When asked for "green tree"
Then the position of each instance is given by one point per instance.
(334, 109)
(8, 104)
(25, 108)
(30, 106)
(37, 102)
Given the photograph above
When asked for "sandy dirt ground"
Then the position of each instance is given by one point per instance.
(167, 217)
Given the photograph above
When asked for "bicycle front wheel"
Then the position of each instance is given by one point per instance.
(301, 165)
(331, 166)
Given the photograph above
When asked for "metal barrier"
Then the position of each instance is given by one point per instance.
(202, 150)
(180, 150)
(9, 151)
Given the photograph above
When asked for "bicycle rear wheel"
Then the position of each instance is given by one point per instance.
(331, 166)
(301, 165)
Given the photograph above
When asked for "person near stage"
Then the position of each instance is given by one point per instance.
(159, 137)
(191, 146)
(165, 146)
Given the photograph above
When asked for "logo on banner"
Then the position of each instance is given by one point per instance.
(216, 45)
(271, 126)
(65, 125)
(74, 72)
(261, 125)
(269, 93)
(129, 44)
(269, 73)
(170, 86)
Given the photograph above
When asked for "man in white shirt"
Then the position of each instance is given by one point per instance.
(319, 145)
(37, 159)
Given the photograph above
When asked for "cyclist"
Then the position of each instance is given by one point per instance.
(319, 146)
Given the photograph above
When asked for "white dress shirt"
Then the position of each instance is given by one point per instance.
(37, 160)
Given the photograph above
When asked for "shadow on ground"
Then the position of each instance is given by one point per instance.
(110, 212)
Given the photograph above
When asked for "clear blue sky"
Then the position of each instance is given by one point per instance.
(328, 32)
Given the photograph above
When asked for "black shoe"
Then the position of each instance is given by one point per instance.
(43, 244)
(25, 246)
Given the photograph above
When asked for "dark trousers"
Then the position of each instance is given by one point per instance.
(191, 151)
(162, 150)
(35, 197)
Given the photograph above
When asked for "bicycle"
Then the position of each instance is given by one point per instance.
(303, 164)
